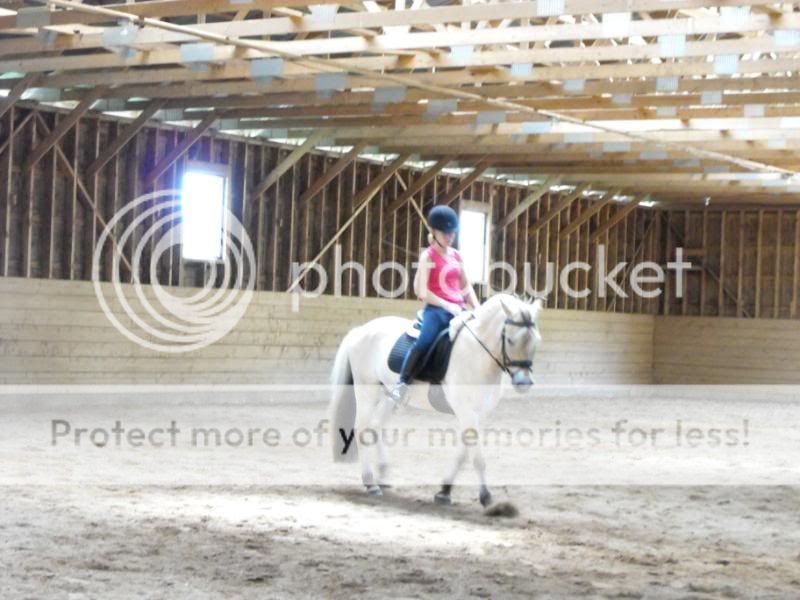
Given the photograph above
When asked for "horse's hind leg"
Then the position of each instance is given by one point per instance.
(383, 412)
(368, 398)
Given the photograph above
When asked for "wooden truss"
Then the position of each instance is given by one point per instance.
(680, 100)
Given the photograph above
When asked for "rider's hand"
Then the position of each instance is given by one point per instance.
(454, 309)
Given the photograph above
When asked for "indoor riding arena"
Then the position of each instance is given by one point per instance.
(219, 218)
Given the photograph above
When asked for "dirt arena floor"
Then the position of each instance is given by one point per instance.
(239, 536)
(194, 542)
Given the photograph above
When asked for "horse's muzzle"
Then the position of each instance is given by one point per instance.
(522, 381)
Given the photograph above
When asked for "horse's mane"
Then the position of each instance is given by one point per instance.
(522, 304)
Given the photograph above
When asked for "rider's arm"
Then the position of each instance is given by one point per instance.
(469, 297)
(421, 284)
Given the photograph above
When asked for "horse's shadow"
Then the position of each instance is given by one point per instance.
(394, 499)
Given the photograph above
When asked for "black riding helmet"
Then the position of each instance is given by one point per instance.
(443, 218)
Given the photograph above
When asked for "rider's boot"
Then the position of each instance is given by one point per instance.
(399, 393)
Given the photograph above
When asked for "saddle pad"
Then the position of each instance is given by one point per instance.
(434, 365)
(436, 396)
(438, 400)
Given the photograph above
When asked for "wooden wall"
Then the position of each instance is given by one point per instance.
(49, 229)
(714, 350)
(595, 348)
(55, 332)
(747, 261)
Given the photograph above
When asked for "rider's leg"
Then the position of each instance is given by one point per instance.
(434, 320)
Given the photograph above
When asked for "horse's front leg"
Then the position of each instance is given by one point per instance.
(471, 430)
(443, 496)
(479, 462)
(466, 410)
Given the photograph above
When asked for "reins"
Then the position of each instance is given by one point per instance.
(506, 363)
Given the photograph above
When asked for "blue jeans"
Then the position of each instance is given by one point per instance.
(435, 319)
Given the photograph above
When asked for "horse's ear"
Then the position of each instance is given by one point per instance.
(536, 308)
(506, 310)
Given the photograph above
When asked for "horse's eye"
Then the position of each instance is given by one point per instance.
(510, 342)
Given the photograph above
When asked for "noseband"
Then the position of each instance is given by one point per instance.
(506, 364)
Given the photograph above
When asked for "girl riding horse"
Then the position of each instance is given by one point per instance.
(441, 283)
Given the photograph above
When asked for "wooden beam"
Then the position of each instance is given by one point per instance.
(15, 129)
(63, 126)
(419, 183)
(562, 204)
(641, 107)
(796, 267)
(85, 195)
(289, 161)
(587, 214)
(296, 50)
(680, 240)
(360, 202)
(448, 197)
(157, 42)
(739, 296)
(526, 203)
(168, 8)
(632, 260)
(367, 193)
(8, 172)
(728, 117)
(619, 216)
(777, 286)
(324, 179)
(707, 24)
(722, 250)
(464, 137)
(125, 136)
(181, 148)
(30, 80)
(597, 94)
(371, 18)
(451, 195)
(759, 239)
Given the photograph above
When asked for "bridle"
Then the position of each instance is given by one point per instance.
(506, 364)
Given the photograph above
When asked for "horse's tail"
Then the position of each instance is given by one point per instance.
(343, 405)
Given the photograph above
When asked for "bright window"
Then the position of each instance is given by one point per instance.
(473, 240)
(203, 214)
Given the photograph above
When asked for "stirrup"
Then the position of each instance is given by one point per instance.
(399, 394)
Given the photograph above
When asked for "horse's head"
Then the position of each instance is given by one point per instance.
(520, 336)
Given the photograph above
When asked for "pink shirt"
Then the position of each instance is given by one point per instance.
(444, 279)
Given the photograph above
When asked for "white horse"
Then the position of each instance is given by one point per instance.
(502, 337)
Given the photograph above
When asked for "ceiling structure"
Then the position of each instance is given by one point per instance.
(679, 100)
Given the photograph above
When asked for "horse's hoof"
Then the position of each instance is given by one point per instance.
(442, 499)
(374, 491)
(485, 498)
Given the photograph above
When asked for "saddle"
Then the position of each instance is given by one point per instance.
(433, 366)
